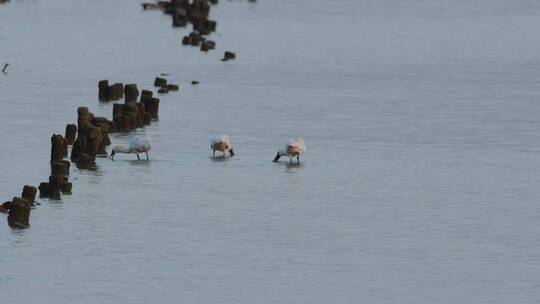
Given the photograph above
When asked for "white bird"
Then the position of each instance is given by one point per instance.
(221, 143)
(136, 145)
(293, 147)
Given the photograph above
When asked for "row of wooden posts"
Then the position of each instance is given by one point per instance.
(197, 13)
(88, 139)
(90, 136)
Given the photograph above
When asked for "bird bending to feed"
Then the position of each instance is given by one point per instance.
(221, 143)
(293, 147)
(136, 145)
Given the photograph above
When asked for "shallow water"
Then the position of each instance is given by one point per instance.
(419, 183)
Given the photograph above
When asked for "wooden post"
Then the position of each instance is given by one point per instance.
(29, 193)
(66, 187)
(44, 189)
(103, 86)
(58, 147)
(145, 94)
(152, 107)
(71, 133)
(160, 82)
(131, 92)
(19, 213)
(60, 168)
(55, 185)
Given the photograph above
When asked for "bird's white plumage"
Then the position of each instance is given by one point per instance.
(295, 145)
(140, 144)
(136, 145)
(221, 138)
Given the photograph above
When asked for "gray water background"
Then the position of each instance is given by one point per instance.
(419, 183)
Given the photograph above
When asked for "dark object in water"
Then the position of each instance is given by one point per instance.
(173, 87)
(4, 208)
(19, 213)
(208, 45)
(29, 193)
(60, 168)
(163, 90)
(5, 67)
(179, 18)
(150, 6)
(71, 133)
(103, 86)
(228, 56)
(151, 106)
(44, 189)
(92, 137)
(58, 147)
(131, 92)
(66, 187)
(185, 40)
(55, 185)
(160, 82)
(194, 82)
(146, 94)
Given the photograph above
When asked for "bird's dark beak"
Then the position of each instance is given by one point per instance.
(112, 155)
(276, 158)
(232, 152)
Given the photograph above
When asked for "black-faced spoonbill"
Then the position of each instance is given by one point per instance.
(136, 145)
(293, 147)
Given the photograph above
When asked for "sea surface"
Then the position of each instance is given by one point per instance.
(420, 182)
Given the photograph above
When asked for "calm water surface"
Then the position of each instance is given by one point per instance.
(419, 184)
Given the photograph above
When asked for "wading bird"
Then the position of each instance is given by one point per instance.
(293, 147)
(136, 145)
(221, 143)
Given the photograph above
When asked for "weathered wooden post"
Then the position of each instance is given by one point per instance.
(71, 133)
(58, 147)
(66, 187)
(60, 168)
(152, 107)
(179, 18)
(55, 185)
(118, 89)
(19, 213)
(131, 92)
(228, 56)
(103, 86)
(160, 82)
(145, 94)
(29, 193)
(43, 189)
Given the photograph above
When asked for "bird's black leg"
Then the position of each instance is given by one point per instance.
(138, 158)
(214, 153)
(298, 158)
(232, 152)
(290, 159)
(146, 155)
